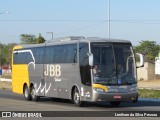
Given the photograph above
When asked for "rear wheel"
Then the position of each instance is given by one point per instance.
(33, 94)
(76, 98)
(26, 93)
(115, 103)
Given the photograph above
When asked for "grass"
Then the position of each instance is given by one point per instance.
(5, 85)
(145, 93)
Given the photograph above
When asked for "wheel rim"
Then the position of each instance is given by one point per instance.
(76, 98)
(26, 93)
(33, 93)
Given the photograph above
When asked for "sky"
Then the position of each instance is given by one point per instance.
(133, 20)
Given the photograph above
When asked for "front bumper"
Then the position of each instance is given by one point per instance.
(103, 96)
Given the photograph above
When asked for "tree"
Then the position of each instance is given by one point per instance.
(28, 39)
(6, 53)
(8, 57)
(31, 39)
(40, 39)
(149, 49)
(1, 54)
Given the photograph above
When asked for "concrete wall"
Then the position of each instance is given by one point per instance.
(147, 72)
(151, 71)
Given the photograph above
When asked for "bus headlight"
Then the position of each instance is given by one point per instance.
(133, 89)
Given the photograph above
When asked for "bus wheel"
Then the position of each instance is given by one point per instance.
(76, 98)
(136, 100)
(33, 94)
(26, 93)
(115, 103)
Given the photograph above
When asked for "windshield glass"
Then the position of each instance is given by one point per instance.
(113, 63)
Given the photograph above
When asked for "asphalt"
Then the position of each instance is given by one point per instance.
(10, 101)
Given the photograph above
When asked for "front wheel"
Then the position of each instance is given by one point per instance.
(76, 98)
(26, 93)
(136, 99)
(33, 94)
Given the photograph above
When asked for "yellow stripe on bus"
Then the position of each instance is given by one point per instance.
(17, 47)
(105, 88)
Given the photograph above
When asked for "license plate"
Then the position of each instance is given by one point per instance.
(117, 97)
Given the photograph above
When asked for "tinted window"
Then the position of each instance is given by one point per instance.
(70, 53)
(49, 53)
(38, 55)
(84, 64)
(19, 58)
(29, 58)
(83, 57)
(25, 56)
(61, 54)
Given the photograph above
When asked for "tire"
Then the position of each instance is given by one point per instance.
(115, 103)
(26, 93)
(136, 100)
(76, 98)
(34, 97)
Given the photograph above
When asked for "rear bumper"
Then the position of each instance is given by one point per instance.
(101, 96)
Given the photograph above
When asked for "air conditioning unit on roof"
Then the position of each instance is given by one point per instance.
(72, 38)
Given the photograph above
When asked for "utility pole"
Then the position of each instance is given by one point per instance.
(109, 19)
(50, 33)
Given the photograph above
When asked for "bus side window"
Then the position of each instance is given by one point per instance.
(19, 58)
(38, 54)
(84, 64)
(70, 55)
(28, 58)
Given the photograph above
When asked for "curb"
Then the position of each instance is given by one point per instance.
(149, 88)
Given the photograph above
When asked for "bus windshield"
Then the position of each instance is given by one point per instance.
(114, 64)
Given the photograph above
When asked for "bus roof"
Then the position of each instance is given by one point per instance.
(83, 39)
(74, 39)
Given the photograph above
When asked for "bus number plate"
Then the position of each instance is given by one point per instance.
(117, 97)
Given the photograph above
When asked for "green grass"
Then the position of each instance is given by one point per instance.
(145, 93)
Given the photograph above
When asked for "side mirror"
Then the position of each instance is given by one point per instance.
(141, 60)
(90, 59)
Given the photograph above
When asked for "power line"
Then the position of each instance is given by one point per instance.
(140, 22)
(134, 20)
(48, 20)
(77, 20)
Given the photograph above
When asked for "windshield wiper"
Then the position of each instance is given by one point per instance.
(128, 83)
(102, 82)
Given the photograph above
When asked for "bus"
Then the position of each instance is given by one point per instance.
(77, 68)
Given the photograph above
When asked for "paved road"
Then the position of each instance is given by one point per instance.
(13, 102)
